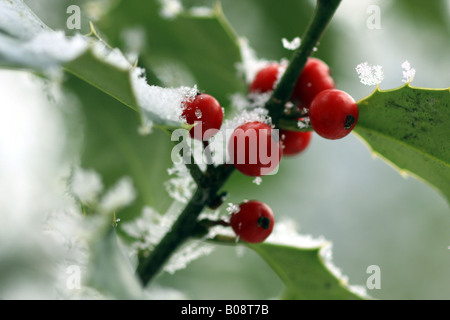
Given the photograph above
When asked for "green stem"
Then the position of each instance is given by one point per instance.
(186, 223)
(184, 226)
(322, 16)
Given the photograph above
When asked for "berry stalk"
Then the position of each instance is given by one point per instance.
(210, 184)
(323, 13)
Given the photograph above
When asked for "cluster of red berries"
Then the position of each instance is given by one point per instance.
(332, 113)
(256, 148)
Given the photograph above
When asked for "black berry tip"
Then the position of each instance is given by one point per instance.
(264, 222)
(349, 121)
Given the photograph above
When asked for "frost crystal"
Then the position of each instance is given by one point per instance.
(408, 72)
(148, 229)
(370, 75)
(146, 127)
(120, 195)
(56, 45)
(285, 233)
(185, 255)
(232, 208)
(157, 103)
(86, 185)
(250, 64)
(170, 8)
(113, 57)
(257, 181)
(291, 45)
(305, 123)
(201, 11)
(181, 186)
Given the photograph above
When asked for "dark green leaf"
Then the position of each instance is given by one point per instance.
(410, 128)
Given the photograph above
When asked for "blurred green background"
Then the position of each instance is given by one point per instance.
(337, 189)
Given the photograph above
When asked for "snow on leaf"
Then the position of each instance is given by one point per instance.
(86, 185)
(304, 264)
(370, 75)
(46, 50)
(113, 56)
(250, 64)
(19, 21)
(118, 196)
(201, 11)
(170, 8)
(157, 102)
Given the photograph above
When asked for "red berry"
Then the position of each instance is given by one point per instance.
(255, 149)
(253, 222)
(265, 78)
(295, 142)
(333, 114)
(315, 77)
(205, 110)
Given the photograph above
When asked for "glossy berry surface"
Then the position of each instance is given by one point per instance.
(205, 110)
(253, 222)
(255, 149)
(333, 114)
(265, 78)
(294, 142)
(315, 78)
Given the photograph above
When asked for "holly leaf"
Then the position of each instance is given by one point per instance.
(307, 272)
(409, 128)
(195, 49)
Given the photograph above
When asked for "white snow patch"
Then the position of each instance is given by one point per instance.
(113, 57)
(232, 208)
(250, 64)
(408, 72)
(304, 123)
(157, 103)
(86, 184)
(170, 8)
(120, 195)
(370, 75)
(291, 45)
(257, 181)
(188, 253)
(201, 11)
(181, 186)
(55, 45)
